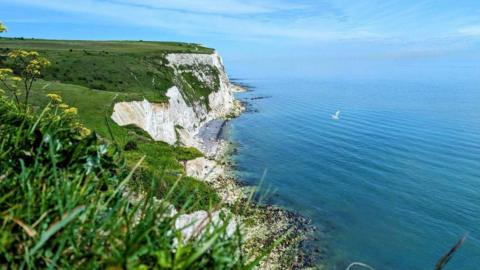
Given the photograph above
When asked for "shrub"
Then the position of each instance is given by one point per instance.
(98, 86)
(130, 145)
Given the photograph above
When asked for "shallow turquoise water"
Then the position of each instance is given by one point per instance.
(394, 183)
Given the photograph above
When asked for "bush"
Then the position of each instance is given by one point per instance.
(130, 145)
(98, 86)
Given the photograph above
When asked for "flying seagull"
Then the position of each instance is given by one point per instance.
(336, 116)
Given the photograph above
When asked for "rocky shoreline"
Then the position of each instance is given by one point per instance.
(263, 225)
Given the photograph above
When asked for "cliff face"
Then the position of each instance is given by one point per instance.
(189, 107)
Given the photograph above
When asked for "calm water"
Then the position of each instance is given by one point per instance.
(394, 183)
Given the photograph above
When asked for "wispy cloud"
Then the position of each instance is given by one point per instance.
(471, 31)
(224, 7)
(314, 21)
(266, 18)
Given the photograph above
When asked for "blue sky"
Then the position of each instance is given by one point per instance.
(361, 38)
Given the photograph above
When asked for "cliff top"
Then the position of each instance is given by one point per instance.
(99, 46)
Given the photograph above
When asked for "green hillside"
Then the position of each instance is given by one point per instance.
(135, 67)
(92, 75)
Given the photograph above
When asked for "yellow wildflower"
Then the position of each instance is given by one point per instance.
(18, 53)
(2, 28)
(84, 132)
(71, 110)
(55, 97)
(6, 71)
(16, 79)
(63, 106)
(76, 125)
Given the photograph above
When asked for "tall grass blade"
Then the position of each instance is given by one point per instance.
(56, 227)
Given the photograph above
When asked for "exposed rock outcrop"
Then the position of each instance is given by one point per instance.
(204, 169)
(195, 224)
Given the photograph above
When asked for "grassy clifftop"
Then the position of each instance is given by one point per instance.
(110, 46)
(137, 68)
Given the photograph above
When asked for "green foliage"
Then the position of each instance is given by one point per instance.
(65, 202)
(187, 153)
(161, 162)
(192, 88)
(120, 72)
(138, 132)
(29, 65)
(130, 145)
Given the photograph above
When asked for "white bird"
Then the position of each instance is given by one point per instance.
(336, 116)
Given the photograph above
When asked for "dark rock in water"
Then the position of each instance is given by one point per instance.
(260, 97)
(249, 108)
(242, 84)
(252, 110)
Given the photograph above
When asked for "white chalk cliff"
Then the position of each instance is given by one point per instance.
(177, 120)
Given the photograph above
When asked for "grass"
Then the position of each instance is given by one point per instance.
(193, 89)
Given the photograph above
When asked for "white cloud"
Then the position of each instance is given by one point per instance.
(225, 7)
(472, 31)
(309, 21)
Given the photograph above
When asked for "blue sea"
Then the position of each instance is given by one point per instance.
(394, 183)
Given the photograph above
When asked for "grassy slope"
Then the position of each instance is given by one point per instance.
(108, 63)
(138, 68)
